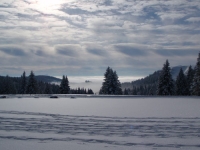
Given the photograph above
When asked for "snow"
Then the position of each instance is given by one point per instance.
(100, 122)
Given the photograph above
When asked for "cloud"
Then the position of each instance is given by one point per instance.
(193, 19)
(39, 52)
(96, 49)
(171, 15)
(74, 11)
(13, 51)
(177, 52)
(69, 50)
(130, 50)
(97, 52)
(84, 37)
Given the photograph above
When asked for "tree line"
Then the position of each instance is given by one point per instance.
(29, 85)
(161, 82)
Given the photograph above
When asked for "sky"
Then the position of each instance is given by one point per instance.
(84, 37)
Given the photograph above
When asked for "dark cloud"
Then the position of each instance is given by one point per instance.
(130, 50)
(150, 12)
(175, 52)
(12, 40)
(26, 16)
(5, 6)
(50, 31)
(68, 50)
(108, 2)
(40, 53)
(13, 51)
(97, 52)
(74, 11)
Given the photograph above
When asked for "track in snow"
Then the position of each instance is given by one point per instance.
(117, 131)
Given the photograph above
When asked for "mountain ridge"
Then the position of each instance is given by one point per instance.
(46, 78)
(152, 79)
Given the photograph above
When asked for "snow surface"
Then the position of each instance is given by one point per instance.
(95, 123)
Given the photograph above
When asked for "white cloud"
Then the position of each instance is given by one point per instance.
(193, 19)
(82, 36)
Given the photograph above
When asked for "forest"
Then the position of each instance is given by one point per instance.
(31, 85)
(162, 83)
(159, 83)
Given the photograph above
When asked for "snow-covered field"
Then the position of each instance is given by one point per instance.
(95, 123)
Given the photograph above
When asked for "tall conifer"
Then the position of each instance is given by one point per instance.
(181, 84)
(23, 83)
(189, 78)
(32, 84)
(111, 84)
(64, 86)
(165, 83)
(195, 88)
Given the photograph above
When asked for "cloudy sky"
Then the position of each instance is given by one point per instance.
(83, 37)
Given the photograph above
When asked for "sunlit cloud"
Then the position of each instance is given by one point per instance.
(72, 37)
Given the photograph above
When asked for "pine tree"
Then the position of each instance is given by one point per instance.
(195, 88)
(117, 84)
(165, 83)
(111, 84)
(55, 89)
(23, 83)
(32, 84)
(41, 87)
(79, 90)
(134, 92)
(125, 91)
(48, 89)
(90, 91)
(181, 84)
(105, 85)
(8, 86)
(64, 86)
(189, 78)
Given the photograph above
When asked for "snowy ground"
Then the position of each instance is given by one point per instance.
(95, 123)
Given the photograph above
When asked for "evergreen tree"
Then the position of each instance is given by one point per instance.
(111, 84)
(181, 84)
(165, 83)
(105, 85)
(55, 89)
(78, 90)
(134, 92)
(23, 83)
(195, 88)
(41, 87)
(8, 86)
(64, 86)
(32, 84)
(125, 91)
(117, 84)
(48, 89)
(90, 91)
(189, 78)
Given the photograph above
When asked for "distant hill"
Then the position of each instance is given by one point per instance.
(43, 78)
(48, 79)
(175, 71)
(152, 79)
